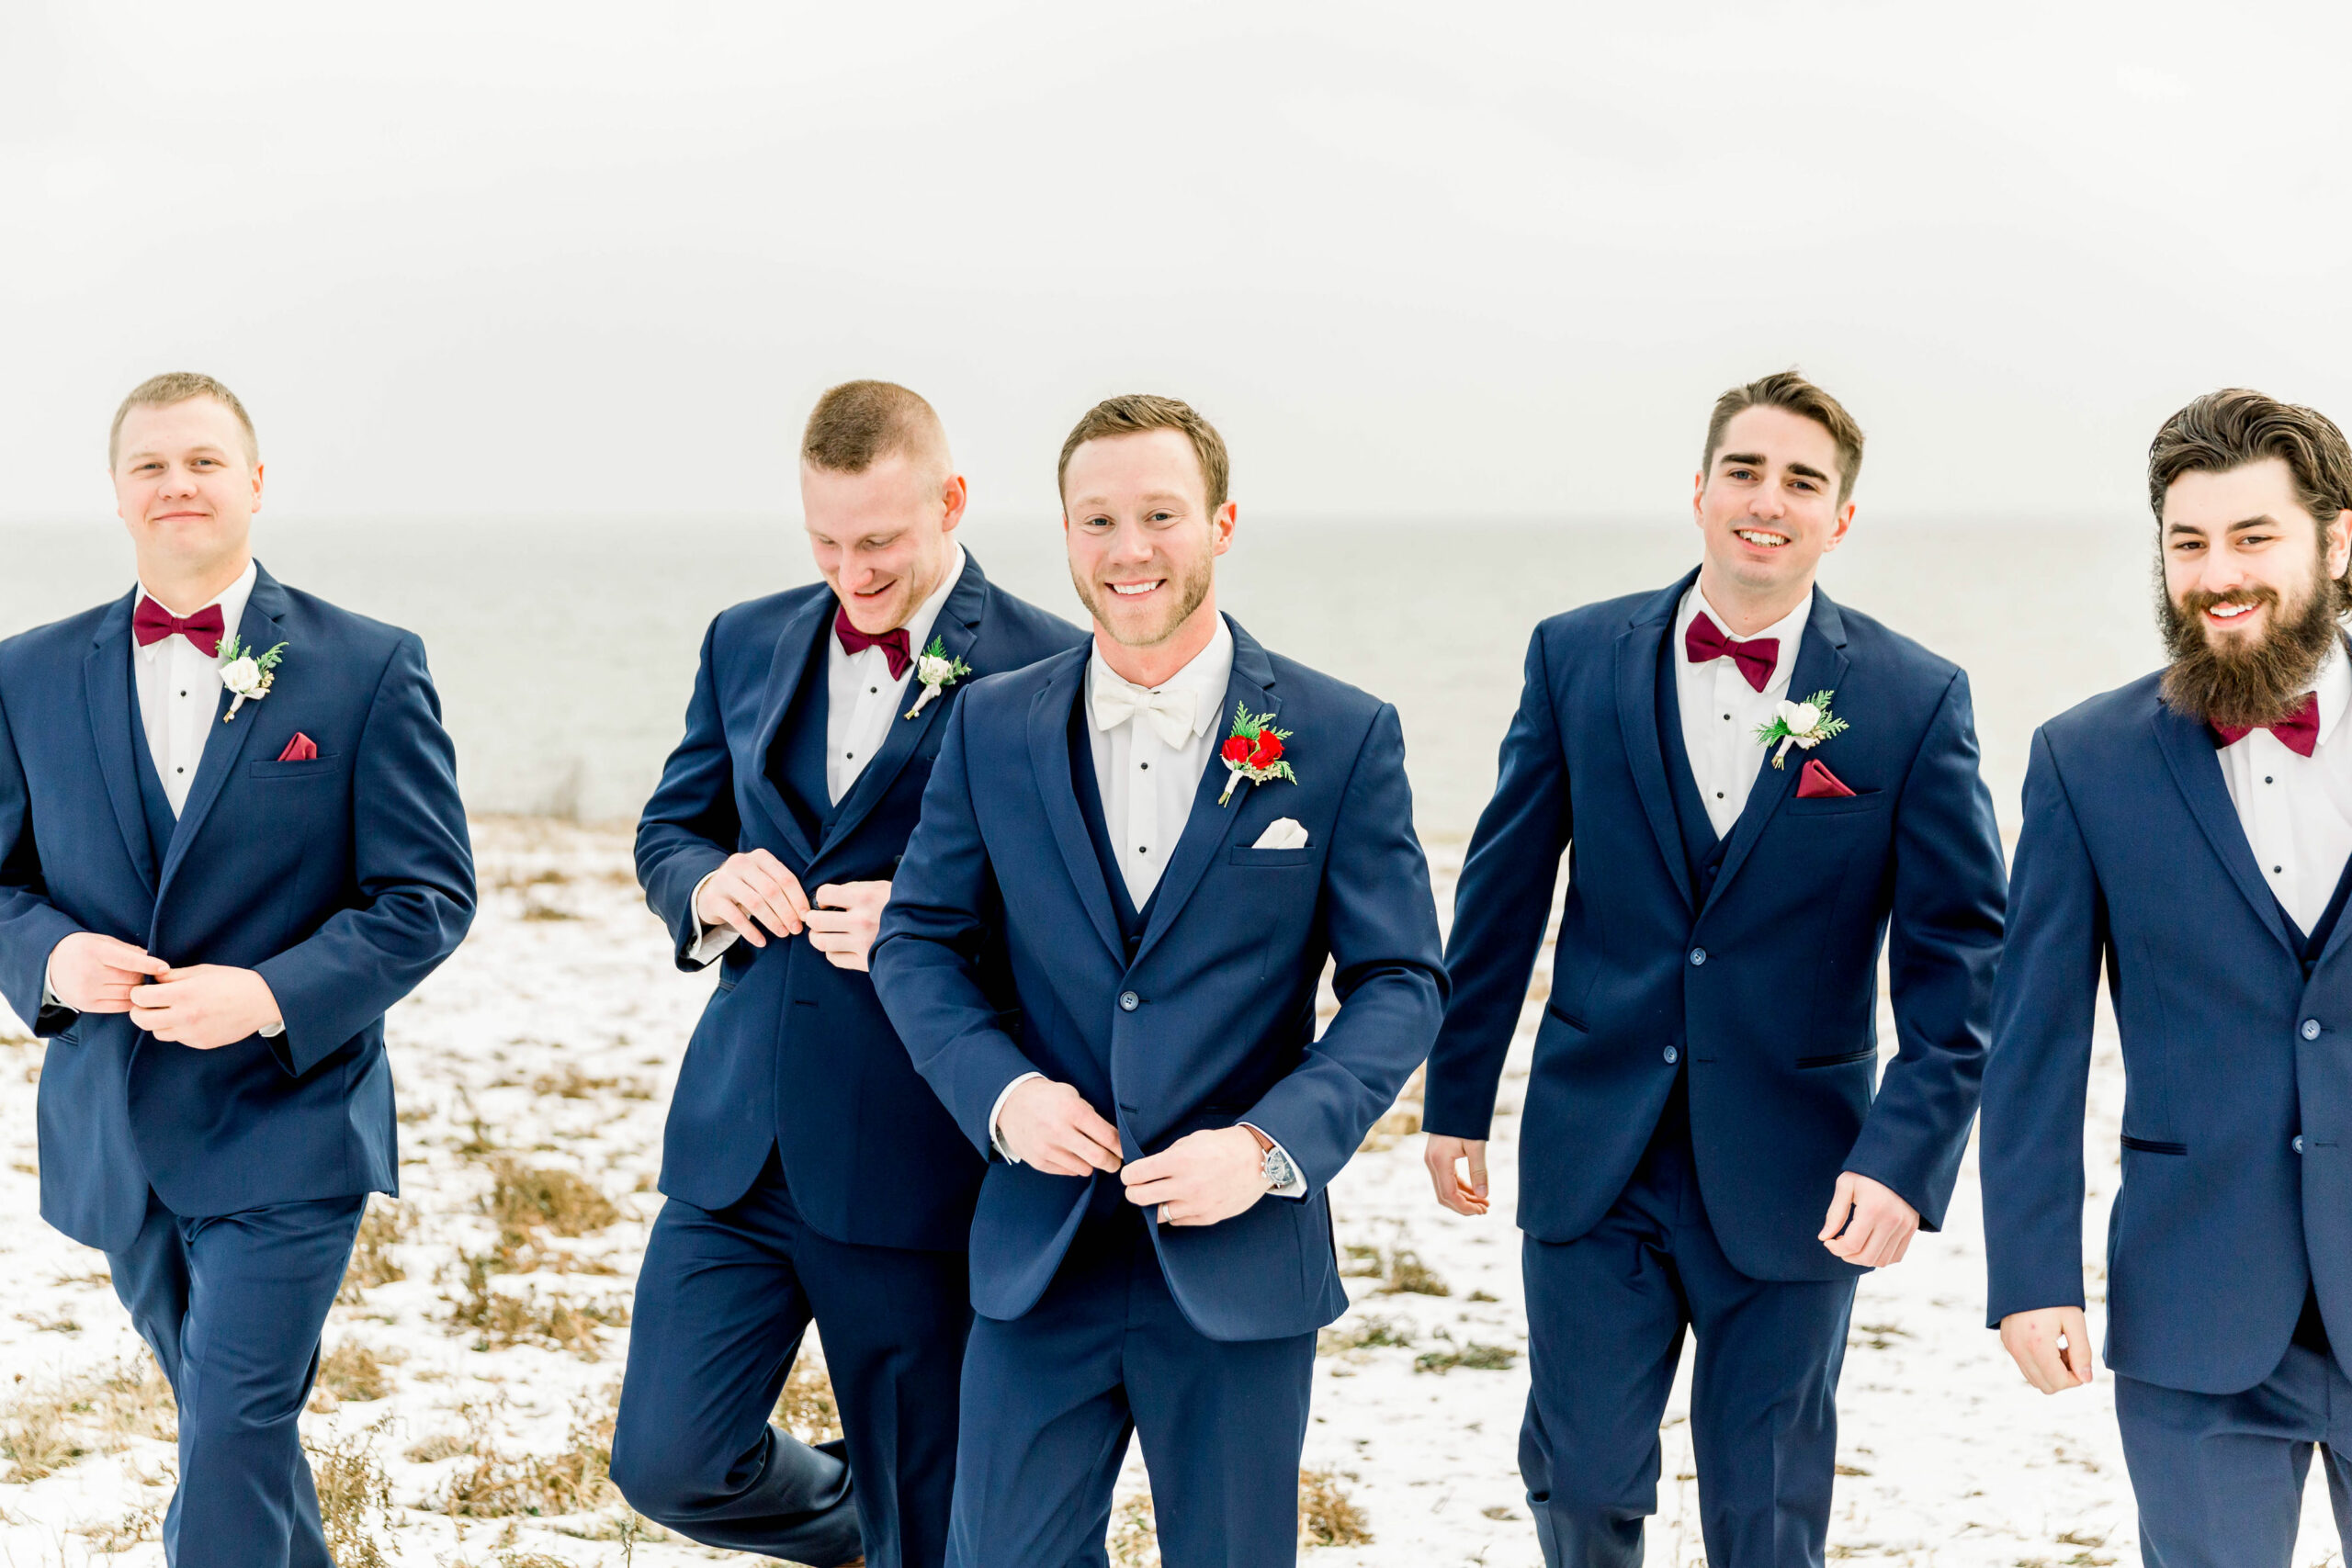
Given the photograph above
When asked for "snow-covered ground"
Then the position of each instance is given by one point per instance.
(532, 1073)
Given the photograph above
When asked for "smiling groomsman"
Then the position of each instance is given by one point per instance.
(230, 840)
(809, 1172)
(2192, 833)
(1173, 829)
(1758, 784)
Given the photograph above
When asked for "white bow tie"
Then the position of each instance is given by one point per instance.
(1115, 701)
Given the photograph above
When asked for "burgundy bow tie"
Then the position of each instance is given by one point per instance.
(2299, 731)
(893, 643)
(1756, 656)
(150, 623)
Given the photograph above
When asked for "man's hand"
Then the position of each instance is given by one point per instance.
(750, 891)
(2032, 1339)
(843, 923)
(1868, 1223)
(1200, 1178)
(1442, 1154)
(90, 973)
(1049, 1125)
(205, 1007)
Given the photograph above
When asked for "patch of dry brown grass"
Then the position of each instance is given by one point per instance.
(51, 1426)
(354, 1371)
(806, 1407)
(1327, 1514)
(108, 1537)
(1135, 1534)
(355, 1496)
(385, 1225)
(575, 1479)
(504, 1318)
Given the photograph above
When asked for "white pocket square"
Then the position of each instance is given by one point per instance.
(1283, 833)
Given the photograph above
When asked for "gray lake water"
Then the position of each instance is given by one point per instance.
(565, 654)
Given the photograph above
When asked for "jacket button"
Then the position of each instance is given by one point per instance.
(1672, 1056)
(1698, 956)
(2311, 1029)
(2298, 1143)
(1129, 1001)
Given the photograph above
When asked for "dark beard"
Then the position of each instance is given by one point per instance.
(2247, 686)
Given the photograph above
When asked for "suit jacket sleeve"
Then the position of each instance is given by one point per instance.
(690, 824)
(1943, 945)
(1500, 906)
(1389, 973)
(926, 957)
(413, 870)
(31, 926)
(2038, 1074)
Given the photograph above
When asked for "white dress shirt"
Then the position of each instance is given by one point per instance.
(179, 701)
(1148, 786)
(1721, 712)
(863, 700)
(2296, 811)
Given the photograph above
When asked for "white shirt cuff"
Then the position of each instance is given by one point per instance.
(996, 1138)
(709, 942)
(1297, 1187)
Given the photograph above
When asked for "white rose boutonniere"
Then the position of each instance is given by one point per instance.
(248, 675)
(936, 671)
(1806, 724)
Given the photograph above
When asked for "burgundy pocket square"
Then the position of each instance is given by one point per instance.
(1817, 783)
(301, 748)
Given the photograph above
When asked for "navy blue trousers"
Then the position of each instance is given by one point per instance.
(232, 1306)
(723, 1299)
(2219, 1477)
(1052, 1397)
(1606, 1316)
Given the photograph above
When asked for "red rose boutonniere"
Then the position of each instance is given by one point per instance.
(1253, 751)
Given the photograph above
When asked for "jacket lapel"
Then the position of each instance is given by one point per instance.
(1821, 666)
(1637, 724)
(1049, 758)
(1251, 685)
(224, 743)
(957, 630)
(106, 683)
(2187, 747)
(799, 656)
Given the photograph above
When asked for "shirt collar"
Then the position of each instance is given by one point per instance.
(2332, 688)
(230, 599)
(1206, 676)
(1787, 631)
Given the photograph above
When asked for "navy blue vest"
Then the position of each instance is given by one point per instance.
(1089, 790)
(1702, 852)
(795, 759)
(163, 823)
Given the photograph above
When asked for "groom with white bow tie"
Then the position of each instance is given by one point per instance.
(1170, 830)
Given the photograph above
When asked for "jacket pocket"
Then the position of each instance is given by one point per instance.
(1554, 1009)
(1867, 1053)
(309, 768)
(1300, 857)
(1838, 805)
(2154, 1145)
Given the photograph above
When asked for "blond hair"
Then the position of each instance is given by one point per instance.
(1140, 412)
(858, 424)
(178, 387)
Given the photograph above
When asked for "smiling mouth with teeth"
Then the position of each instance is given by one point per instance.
(1130, 590)
(1762, 539)
(2227, 612)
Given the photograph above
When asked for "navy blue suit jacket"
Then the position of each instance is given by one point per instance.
(2131, 855)
(1768, 983)
(344, 880)
(793, 1053)
(1212, 1022)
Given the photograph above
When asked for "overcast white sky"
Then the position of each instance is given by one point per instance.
(551, 258)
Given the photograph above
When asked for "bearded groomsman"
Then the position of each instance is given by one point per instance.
(2193, 831)
(1757, 784)
(809, 1172)
(229, 840)
(1173, 829)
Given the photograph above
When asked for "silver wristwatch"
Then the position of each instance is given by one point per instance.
(1278, 1170)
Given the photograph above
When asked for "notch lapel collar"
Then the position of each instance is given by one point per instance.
(799, 656)
(106, 683)
(1251, 685)
(2188, 750)
(224, 743)
(1050, 759)
(1821, 666)
(1637, 654)
(956, 629)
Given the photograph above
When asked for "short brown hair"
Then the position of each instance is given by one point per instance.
(858, 424)
(1788, 390)
(2233, 427)
(178, 387)
(1138, 411)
